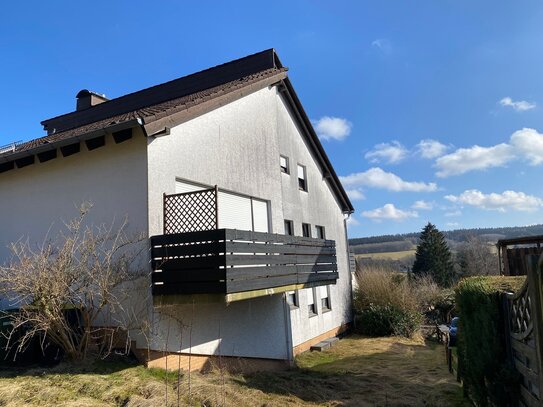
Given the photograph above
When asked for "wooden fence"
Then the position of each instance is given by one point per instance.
(524, 323)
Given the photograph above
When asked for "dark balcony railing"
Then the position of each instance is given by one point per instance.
(232, 261)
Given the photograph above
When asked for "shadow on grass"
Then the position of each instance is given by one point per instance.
(403, 375)
(110, 365)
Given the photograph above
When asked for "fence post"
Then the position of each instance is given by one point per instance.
(535, 279)
(216, 207)
(506, 318)
(164, 212)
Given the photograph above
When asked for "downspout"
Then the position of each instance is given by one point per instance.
(349, 267)
(288, 331)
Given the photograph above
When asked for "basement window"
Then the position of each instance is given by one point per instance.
(292, 299)
(283, 162)
(302, 178)
(311, 306)
(324, 292)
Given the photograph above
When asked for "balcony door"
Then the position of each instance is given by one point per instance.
(236, 211)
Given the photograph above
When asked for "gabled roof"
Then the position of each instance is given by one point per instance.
(157, 108)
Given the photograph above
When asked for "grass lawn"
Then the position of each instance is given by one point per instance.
(357, 372)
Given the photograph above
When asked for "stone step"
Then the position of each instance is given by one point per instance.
(324, 344)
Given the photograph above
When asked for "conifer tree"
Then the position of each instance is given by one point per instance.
(433, 257)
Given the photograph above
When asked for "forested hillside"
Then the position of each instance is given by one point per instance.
(458, 235)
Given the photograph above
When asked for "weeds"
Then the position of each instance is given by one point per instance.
(388, 303)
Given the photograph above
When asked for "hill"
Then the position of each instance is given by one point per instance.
(457, 235)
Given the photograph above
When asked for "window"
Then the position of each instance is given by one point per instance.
(311, 302)
(306, 230)
(292, 299)
(302, 178)
(324, 292)
(283, 162)
(289, 228)
(320, 232)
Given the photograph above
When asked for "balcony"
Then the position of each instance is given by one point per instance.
(239, 264)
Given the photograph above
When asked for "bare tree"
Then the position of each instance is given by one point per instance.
(90, 270)
(476, 258)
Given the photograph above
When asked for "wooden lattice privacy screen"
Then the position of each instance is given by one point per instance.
(191, 211)
(525, 325)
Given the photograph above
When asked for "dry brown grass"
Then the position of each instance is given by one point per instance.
(357, 372)
(381, 287)
(401, 255)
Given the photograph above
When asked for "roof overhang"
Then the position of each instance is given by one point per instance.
(47, 146)
(328, 170)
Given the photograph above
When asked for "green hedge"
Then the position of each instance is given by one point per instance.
(482, 357)
(385, 320)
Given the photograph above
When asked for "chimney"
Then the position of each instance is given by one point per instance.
(87, 98)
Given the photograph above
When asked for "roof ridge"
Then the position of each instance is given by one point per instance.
(164, 84)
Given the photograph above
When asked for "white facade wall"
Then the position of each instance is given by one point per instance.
(237, 147)
(317, 206)
(36, 200)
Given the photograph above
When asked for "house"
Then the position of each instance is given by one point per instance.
(225, 174)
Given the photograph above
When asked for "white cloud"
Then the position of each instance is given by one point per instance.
(383, 45)
(429, 148)
(389, 212)
(453, 213)
(332, 128)
(391, 153)
(452, 224)
(355, 195)
(474, 158)
(529, 143)
(423, 205)
(507, 200)
(519, 106)
(377, 178)
(352, 221)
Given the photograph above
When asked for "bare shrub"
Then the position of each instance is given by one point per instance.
(87, 269)
(426, 292)
(476, 258)
(380, 287)
(393, 303)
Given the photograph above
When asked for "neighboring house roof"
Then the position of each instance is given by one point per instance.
(158, 108)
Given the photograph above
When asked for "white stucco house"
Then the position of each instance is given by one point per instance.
(225, 174)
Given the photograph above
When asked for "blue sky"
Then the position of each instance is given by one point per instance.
(429, 110)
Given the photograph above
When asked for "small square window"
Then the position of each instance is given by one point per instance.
(292, 299)
(320, 232)
(289, 228)
(324, 292)
(311, 306)
(306, 230)
(302, 178)
(283, 162)
(325, 304)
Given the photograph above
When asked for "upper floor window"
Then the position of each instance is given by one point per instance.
(289, 228)
(320, 232)
(302, 178)
(283, 162)
(306, 230)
